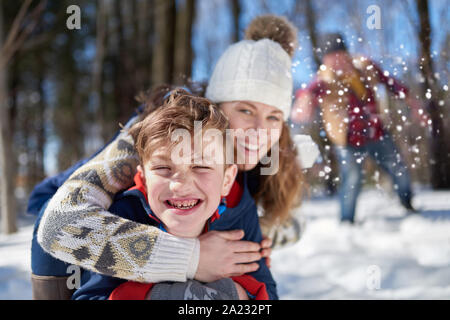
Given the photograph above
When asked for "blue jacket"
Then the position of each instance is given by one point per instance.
(133, 205)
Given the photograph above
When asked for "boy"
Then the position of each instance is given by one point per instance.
(182, 193)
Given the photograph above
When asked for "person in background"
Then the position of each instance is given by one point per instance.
(343, 90)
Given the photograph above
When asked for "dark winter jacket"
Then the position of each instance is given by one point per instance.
(241, 213)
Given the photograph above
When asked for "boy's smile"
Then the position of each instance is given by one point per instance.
(183, 206)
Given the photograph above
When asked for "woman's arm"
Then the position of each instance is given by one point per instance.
(77, 229)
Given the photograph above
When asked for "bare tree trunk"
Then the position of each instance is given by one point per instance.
(310, 16)
(236, 10)
(311, 25)
(7, 199)
(144, 54)
(125, 80)
(38, 172)
(164, 41)
(100, 48)
(183, 47)
(440, 162)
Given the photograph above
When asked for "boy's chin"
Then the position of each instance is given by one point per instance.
(182, 232)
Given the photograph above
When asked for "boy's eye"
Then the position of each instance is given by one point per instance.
(201, 167)
(161, 168)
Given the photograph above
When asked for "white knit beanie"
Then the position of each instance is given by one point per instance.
(258, 70)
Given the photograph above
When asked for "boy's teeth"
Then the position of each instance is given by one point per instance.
(187, 204)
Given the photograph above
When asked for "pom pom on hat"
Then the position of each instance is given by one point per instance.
(275, 28)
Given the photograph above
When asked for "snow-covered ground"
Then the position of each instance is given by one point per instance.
(15, 257)
(385, 256)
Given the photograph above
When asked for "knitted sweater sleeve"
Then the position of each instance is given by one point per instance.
(77, 228)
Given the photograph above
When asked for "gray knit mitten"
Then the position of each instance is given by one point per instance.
(223, 289)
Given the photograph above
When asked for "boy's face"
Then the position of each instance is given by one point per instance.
(184, 196)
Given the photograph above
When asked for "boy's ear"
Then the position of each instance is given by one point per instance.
(228, 179)
(140, 170)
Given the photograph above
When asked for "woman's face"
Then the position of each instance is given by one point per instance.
(266, 122)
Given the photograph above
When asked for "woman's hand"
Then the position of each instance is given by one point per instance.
(224, 255)
(266, 245)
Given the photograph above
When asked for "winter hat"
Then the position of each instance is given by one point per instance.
(259, 67)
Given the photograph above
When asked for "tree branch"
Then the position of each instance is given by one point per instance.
(15, 39)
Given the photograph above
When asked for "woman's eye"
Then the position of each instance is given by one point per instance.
(273, 118)
(245, 111)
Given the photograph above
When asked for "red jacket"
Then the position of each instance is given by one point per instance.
(364, 122)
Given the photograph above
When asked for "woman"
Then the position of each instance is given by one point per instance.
(252, 83)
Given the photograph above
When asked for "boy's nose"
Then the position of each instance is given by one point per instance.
(181, 183)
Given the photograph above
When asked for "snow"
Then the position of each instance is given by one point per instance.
(386, 255)
(15, 257)
(408, 256)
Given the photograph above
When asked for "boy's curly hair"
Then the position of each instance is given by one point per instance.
(167, 111)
